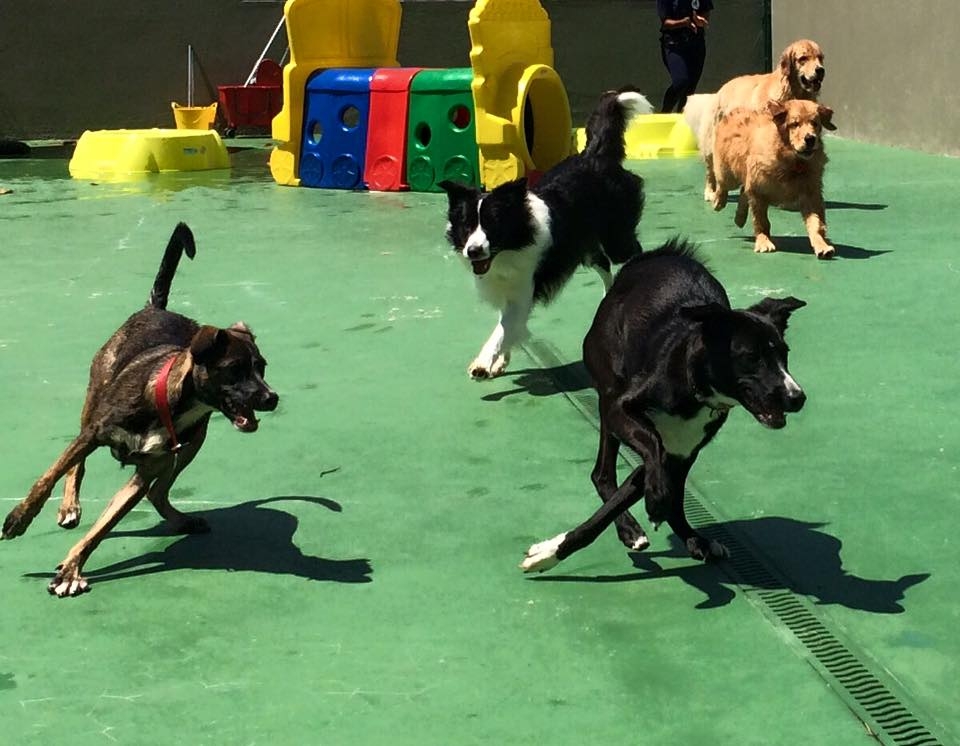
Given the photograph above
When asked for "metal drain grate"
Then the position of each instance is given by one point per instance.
(884, 714)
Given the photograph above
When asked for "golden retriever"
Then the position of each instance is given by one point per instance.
(799, 75)
(776, 157)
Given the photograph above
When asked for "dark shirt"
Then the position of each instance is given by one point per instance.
(674, 9)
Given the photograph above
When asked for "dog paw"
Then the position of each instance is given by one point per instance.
(67, 582)
(69, 517)
(482, 370)
(824, 252)
(709, 195)
(763, 245)
(633, 537)
(543, 555)
(706, 549)
(16, 523)
(478, 371)
(719, 201)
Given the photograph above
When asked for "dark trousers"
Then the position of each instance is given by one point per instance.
(684, 62)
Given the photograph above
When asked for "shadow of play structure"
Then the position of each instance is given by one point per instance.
(353, 117)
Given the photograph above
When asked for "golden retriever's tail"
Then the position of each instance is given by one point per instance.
(700, 114)
(608, 123)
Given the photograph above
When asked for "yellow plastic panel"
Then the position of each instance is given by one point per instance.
(655, 136)
(324, 34)
(512, 60)
(115, 153)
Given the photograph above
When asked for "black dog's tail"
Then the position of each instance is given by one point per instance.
(181, 240)
(608, 122)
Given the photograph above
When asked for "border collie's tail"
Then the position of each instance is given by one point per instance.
(700, 113)
(181, 240)
(608, 122)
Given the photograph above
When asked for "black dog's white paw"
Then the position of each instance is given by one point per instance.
(632, 536)
(543, 555)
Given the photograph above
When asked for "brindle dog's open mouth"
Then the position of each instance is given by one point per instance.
(244, 422)
(481, 266)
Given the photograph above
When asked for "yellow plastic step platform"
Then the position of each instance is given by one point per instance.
(113, 154)
(655, 136)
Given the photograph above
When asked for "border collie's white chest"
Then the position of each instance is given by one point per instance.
(680, 437)
(510, 277)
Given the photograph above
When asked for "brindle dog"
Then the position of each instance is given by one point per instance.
(153, 387)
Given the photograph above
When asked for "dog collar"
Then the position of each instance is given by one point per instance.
(163, 403)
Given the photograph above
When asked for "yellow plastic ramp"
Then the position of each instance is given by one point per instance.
(118, 154)
(522, 111)
(325, 34)
(650, 136)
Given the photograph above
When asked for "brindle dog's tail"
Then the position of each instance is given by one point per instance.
(180, 241)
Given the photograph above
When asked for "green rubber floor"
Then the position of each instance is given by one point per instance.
(360, 585)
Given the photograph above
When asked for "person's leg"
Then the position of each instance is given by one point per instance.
(695, 55)
(676, 65)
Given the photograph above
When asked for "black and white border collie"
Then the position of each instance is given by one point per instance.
(524, 244)
(669, 359)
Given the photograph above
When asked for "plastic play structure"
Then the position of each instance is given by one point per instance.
(326, 34)
(352, 117)
(523, 115)
(116, 154)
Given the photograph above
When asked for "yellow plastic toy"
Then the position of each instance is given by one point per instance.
(325, 34)
(655, 136)
(522, 111)
(114, 154)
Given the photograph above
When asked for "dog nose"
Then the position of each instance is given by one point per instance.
(810, 140)
(795, 399)
(819, 73)
(269, 401)
(475, 252)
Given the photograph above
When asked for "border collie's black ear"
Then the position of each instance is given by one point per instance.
(517, 185)
(778, 310)
(704, 312)
(457, 192)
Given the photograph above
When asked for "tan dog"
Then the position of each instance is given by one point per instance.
(799, 75)
(776, 157)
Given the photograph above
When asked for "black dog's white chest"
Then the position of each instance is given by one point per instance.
(683, 436)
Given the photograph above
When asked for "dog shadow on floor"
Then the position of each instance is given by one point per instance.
(247, 537)
(840, 205)
(806, 559)
(801, 245)
(560, 379)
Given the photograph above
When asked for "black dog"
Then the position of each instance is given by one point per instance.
(524, 244)
(669, 359)
(153, 387)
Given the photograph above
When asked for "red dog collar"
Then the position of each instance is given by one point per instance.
(163, 403)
